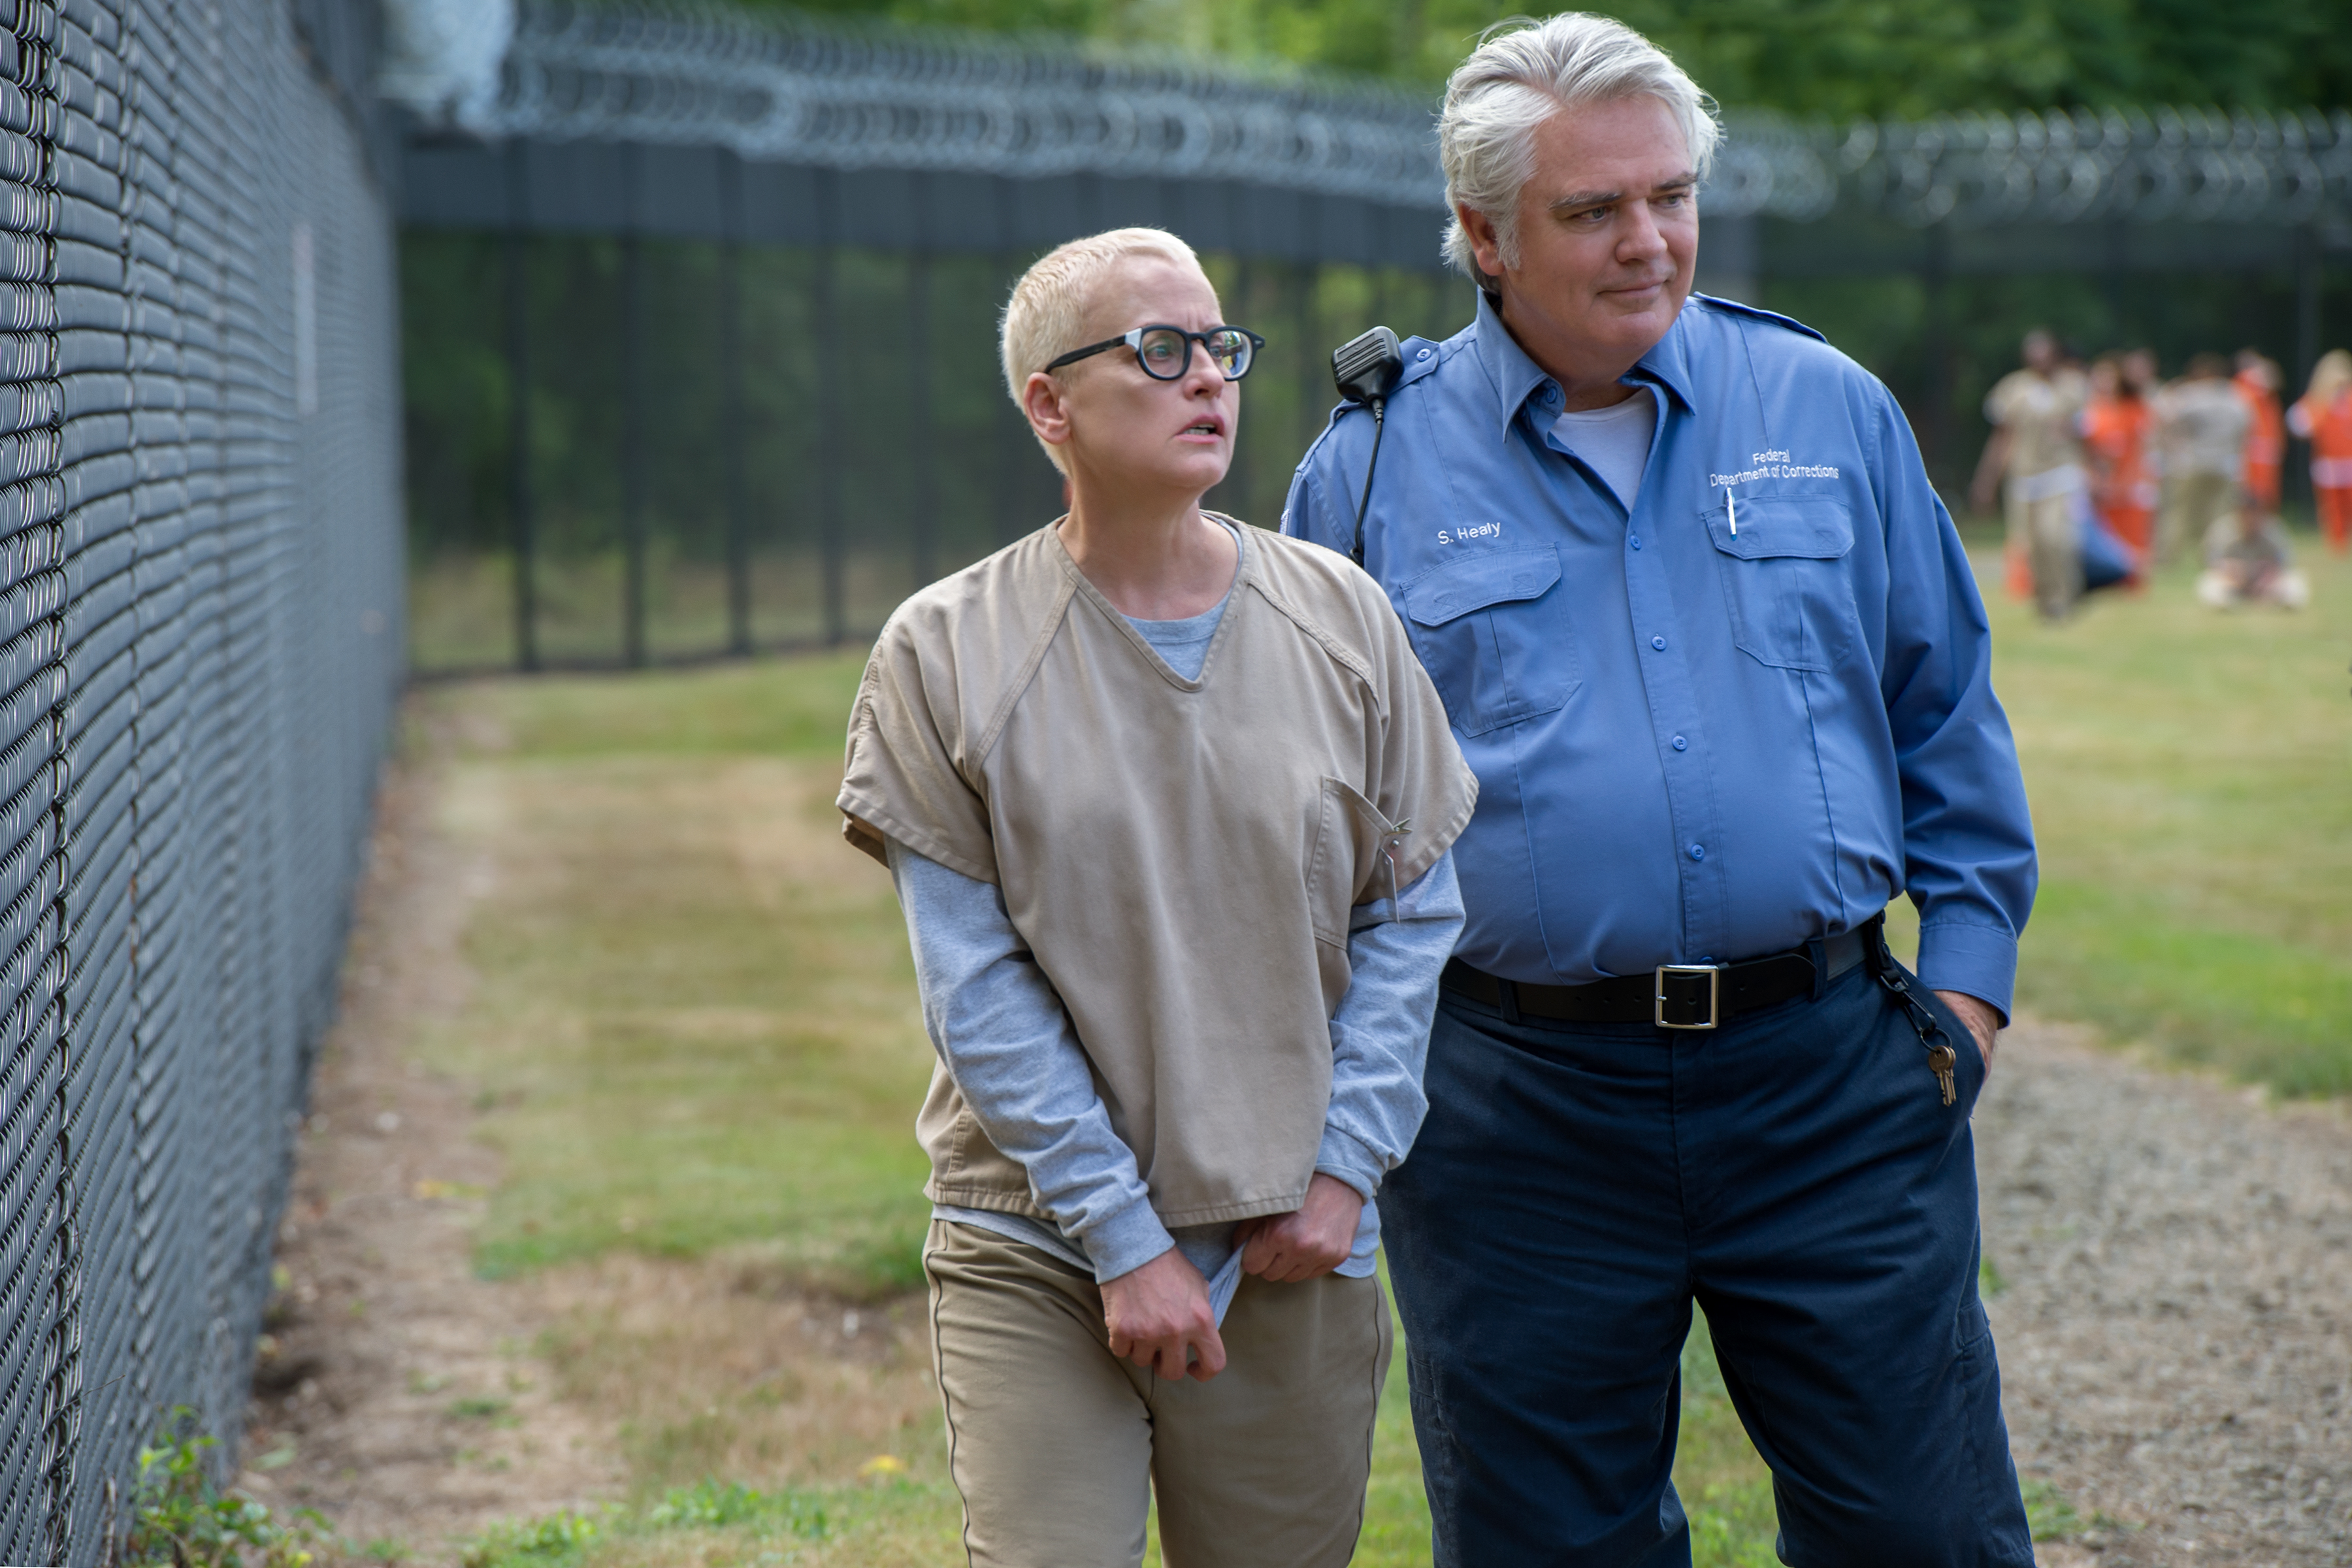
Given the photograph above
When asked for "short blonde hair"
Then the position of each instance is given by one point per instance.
(1045, 317)
(2330, 376)
(1522, 74)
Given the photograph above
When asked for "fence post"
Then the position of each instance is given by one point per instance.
(1936, 436)
(520, 501)
(1010, 427)
(1238, 474)
(923, 454)
(2112, 272)
(1311, 354)
(731, 416)
(830, 433)
(2310, 263)
(634, 495)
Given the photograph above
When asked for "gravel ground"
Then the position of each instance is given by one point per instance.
(2173, 1329)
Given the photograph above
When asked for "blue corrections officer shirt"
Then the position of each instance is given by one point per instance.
(1748, 714)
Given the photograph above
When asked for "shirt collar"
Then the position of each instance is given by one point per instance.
(1516, 378)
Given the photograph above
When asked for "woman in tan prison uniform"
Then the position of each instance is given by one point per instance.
(1169, 808)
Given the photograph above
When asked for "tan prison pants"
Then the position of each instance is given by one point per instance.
(1056, 1446)
(2191, 504)
(2043, 528)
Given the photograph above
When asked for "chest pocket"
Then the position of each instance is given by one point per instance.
(1351, 865)
(1784, 579)
(1494, 637)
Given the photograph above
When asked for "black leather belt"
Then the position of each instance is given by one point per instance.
(1671, 996)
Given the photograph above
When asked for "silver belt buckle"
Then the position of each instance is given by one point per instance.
(1714, 973)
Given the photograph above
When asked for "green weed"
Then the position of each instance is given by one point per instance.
(2050, 1515)
(713, 1505)
(555, 1542)
(180, 1519)
(846, 1525)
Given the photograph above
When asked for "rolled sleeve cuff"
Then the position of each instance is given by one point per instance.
(1347, 1158)
(1125, 1241)
(1979, 961)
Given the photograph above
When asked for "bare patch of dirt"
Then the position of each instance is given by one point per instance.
(2176, 1332)
(414, 1404)
(397, 1393)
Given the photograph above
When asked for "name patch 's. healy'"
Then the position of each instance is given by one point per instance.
(1773, 465)
(1468, 531)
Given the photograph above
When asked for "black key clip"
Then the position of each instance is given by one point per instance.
(1879, 959)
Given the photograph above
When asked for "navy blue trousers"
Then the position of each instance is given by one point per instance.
(1577, 1186)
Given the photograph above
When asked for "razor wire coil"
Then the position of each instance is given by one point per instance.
(807, 92)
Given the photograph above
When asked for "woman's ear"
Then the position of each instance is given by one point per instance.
(1047, 403)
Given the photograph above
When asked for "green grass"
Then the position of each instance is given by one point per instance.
(768, 708)
(694, 1026)
(2191, 774)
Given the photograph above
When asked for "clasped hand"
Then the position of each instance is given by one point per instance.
(1158, 1315)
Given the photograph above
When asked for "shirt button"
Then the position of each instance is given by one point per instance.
(1658, 643)
(1681, 744)
(1698, 851)
(1422, 354)
(1635, 542)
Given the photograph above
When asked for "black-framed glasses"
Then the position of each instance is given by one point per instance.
(1166, 353)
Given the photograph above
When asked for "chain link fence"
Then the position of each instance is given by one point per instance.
(200, 642)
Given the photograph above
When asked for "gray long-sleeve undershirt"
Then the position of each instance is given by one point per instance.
(1007, 1041)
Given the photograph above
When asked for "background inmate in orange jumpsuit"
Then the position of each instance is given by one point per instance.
(2117, 430)
(2265, 439)
(2326, 422)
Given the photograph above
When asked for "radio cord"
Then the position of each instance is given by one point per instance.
(1379, 427)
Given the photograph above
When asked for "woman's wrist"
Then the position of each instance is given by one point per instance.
(1125, 1240)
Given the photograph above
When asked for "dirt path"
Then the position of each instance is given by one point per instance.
(2176, 1333)
(2175, 1327)
(397, 1389)
(414, 1403)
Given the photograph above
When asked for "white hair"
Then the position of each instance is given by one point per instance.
(1045, 317)
(1517, 80)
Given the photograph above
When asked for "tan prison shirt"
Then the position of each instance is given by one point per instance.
(2206, 423)
(2041, 412)
(1179, 854)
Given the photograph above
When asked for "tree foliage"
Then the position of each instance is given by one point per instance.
(1831, 58)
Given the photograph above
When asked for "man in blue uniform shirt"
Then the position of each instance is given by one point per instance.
(1710, 642)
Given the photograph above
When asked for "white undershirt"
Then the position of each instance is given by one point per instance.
(1614, 442)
